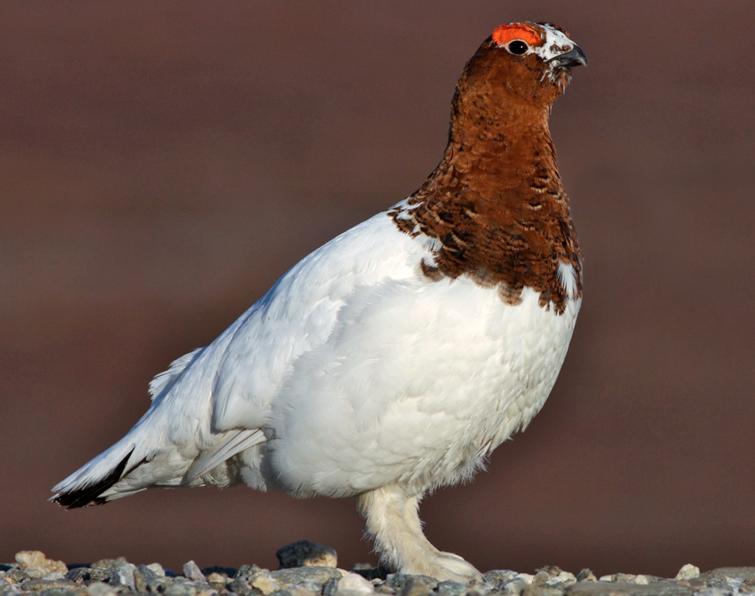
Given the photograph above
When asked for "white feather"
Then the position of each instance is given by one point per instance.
(356, 371)
(163, 379)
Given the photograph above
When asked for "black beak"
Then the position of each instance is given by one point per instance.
(574, 57)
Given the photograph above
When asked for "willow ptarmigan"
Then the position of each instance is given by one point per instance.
(395, 358)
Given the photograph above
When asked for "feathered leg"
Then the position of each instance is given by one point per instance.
(393, 522)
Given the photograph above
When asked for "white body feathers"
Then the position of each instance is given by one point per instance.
(353, 372)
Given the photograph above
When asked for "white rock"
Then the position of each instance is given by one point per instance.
(525, 577)
(688, 571)
(641, 580)
(36, 565)
(353, 583)
(126, 575)
(157, 569)
(192, 571)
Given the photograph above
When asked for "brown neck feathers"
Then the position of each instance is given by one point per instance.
(495, 203)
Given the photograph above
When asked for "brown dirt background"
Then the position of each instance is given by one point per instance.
(162, 163)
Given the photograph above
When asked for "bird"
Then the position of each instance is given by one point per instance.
(392, 360)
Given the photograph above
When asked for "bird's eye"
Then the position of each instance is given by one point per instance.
(518, 47)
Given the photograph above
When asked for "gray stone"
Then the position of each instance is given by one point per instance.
(330, 588)
(304, 578)
(16, 575)
(192, 571)
(515, 587)
(239, 586)
(157, 569)
(123, 575)
(411, 585)
(146, 579)
(247, 571)
(542, 584)
(305, 553)
(497, 578)
(451, 588)
(41, 585)
(100, 589)
(107, 575)
(662, 588)
(109, 563)
(553, 576)
(183, 587)
(586, 575)
(728, 579)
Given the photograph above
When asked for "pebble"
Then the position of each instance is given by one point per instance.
(351, 584)
(33, 572)
(192, 571)
(36, 565)
(688, 571)
(586, 575)
(306, 554)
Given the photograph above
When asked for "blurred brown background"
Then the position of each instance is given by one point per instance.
(162, 163)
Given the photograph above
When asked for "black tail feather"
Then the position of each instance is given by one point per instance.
(90, 495)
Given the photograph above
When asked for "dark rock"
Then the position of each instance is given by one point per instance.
(227, 571)
(305, 553)
(369, 572)
(80, 575)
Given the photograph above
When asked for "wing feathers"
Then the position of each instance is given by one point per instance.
(236, 442)
(162, 380)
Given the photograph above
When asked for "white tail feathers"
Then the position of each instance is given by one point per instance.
(86, 485)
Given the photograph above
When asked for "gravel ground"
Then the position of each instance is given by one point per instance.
(308, 568)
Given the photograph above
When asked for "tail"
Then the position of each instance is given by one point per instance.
(98, 481)
(92, 483)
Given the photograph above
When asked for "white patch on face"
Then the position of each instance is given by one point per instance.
(555, 44)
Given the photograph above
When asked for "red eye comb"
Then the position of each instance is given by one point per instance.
(506, 33)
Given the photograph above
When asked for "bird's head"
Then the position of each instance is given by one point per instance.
(527, 61)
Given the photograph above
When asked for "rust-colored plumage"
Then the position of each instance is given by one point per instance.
(495, 203)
